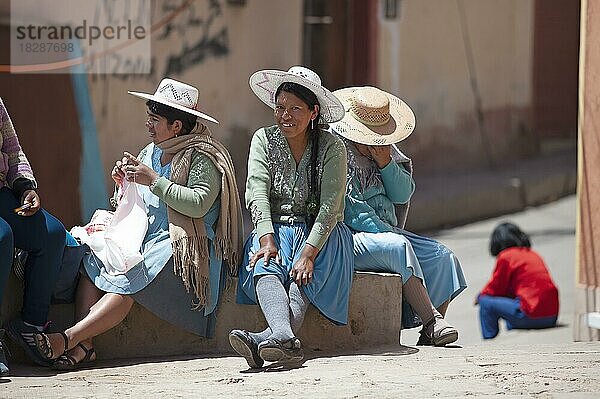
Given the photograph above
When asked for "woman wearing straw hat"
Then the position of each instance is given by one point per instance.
(300, 251)
(379, 178)
(187, 183)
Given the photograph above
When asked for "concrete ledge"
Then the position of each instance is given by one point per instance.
(443, 201)
(374, 319)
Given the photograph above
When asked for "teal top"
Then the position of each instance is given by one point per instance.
(372, 193)
(277, 188)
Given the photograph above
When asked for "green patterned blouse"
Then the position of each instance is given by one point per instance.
(277, 189)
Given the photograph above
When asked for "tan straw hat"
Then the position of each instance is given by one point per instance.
(265, 83)
(178, 95)
(373, 116)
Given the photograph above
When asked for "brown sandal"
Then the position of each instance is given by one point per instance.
(67, 362)
(44, 348)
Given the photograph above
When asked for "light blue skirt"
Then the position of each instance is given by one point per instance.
(329, 290)
(409, 254)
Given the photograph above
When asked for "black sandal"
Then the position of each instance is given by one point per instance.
(67, 362)
(288, 351)
(44, 348)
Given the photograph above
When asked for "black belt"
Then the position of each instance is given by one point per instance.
(288, 219)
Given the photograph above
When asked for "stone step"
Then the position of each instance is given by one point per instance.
(374, 320)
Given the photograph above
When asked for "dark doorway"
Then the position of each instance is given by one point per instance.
(340, 41)
(43, 111)
(556, 68)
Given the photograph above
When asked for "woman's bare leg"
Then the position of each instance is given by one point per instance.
(104, 314)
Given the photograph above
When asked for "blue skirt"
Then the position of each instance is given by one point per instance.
(408, 254)
(329, 290)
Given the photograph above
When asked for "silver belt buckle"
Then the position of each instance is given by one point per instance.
(290, 220)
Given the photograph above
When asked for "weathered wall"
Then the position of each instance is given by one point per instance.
(424, 57)
(214, 46)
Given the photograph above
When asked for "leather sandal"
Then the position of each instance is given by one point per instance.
(443, 337)
(67, 362)
(44, 348)
(288, 351)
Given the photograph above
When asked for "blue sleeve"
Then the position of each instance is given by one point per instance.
(360, 216)
(399, 184)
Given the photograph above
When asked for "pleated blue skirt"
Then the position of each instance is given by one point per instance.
(329, 290)
(408, 254)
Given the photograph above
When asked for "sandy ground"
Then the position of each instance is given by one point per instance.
(541, 363)
(569, 370)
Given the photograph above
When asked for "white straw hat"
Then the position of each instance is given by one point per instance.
(373, 116)
(265, 83)
(178, 95)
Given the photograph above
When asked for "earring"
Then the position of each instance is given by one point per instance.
(312, 124)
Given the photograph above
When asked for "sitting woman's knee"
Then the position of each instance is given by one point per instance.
(56, 230)
(6, 238)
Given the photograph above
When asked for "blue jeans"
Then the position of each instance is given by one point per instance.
(494, 308)
(43, 237)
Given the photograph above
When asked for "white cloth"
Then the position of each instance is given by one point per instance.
(116, 238)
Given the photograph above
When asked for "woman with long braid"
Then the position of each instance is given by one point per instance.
(300, 251)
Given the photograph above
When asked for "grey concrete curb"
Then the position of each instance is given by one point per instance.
(445, 201)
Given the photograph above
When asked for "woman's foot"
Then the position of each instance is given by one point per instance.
(4, 371)
(23, 334)
(75, 358)
(51, 346)
(437, 332)
(246, 347)
(288, 351)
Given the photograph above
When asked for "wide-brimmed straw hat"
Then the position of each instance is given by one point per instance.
(373, 116)
(265, 83)
(178, 95)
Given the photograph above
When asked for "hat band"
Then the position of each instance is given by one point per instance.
(370, 119)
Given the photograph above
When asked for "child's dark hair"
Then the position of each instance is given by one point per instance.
(188, 121)
(507, 235)
(310, 99)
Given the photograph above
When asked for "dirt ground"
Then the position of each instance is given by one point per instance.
(571, 370)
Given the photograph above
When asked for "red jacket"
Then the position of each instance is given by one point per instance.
(521, 272)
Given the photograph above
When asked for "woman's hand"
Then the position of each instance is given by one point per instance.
(302, 272)
(30, 197)
(117, 172)
(136, 171)
(268, 250)
(381, 154)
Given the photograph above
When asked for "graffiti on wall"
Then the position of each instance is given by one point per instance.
(194, 30)
(201, 33)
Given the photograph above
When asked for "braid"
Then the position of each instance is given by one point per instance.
(310, 99)
(313, 184)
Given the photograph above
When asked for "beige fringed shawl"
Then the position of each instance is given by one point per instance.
(188, 235)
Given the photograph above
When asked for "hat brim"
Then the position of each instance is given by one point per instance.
(264, 84)
(398, 128)
(152, 97)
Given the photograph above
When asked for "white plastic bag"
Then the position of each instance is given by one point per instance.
(116, 238)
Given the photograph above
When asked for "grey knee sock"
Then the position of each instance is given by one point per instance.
(298, 305)
(274, 303)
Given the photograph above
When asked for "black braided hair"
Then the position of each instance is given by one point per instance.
(507, 235)
(188, 121)
(310, 99)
